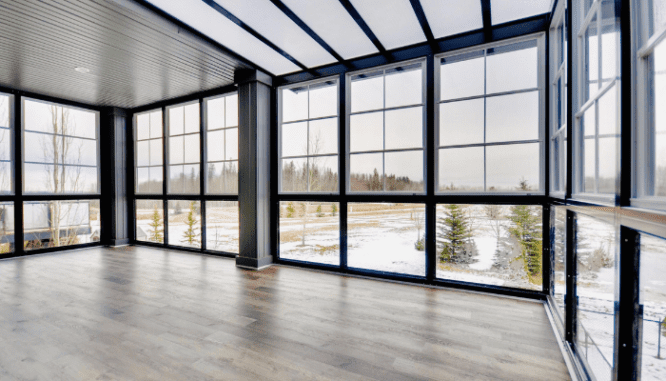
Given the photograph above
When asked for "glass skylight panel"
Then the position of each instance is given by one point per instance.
(503, 11)
(333, 24)
(449, 17)
(273, 24)
(203, 18)
(392, 21)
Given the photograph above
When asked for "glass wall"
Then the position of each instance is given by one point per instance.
(150, 221)
(184, 155)
(6, 227)
(49, 224)
(652, 298)
(222, 226)
(222, 144)
(558, 250)
(6, 146)
(148, 148)
(184, 223)
(489, 120)
(558, 101)
(310, 232)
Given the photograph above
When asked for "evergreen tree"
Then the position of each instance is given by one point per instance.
(290, 210)
(191, 235)
(455, 233)
(334, 209)
(319, 212)
(156, 227)
(527, 230)
(375, 181)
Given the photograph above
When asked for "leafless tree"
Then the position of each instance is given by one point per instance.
(494, 215)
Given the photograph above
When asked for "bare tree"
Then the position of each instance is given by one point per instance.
(494, 215)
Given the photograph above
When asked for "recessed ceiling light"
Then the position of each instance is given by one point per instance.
(82, 70)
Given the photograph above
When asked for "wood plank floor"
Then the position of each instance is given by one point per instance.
(148, 314)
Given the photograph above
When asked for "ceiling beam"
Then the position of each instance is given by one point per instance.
(487, 19)
(253, 32)
(361, 23)
(423, 20)
(288, 12)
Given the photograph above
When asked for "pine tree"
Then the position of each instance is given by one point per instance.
(319, 212)
(191, 236)
(156, 225)
(334, 209)
(455, 233)
(375, 181)
(290, 210)
(527, 230)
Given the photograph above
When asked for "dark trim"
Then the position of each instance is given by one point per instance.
(626, 103)
(203, 167)
(342, 170)
(50, 250)
(364, 27)
(628, 311)
(423, 20)
(186, 98)
(570, 111)
(547, 254)
(253, 263)
(420, 198)
(119, 242)
(221, 10)
(570, 298)
(17, 133)
(487, 18)
(192, 250)
(280, 5)
(431, 207)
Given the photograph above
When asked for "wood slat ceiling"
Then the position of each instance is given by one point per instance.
(135, 56)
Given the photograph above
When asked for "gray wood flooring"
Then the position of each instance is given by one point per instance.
(140, 313)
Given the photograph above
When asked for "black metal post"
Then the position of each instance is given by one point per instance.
(17, 124)
(570, 297)
(342, 152)
(165, 173)
(627, 309)
(568, 20)
(431, 205)
(202, 170)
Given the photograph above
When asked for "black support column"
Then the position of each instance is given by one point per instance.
(114, 158)
(254, 120)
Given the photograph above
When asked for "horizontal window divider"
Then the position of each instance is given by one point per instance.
(522, 91)
(558, 133)
(387, 109)
(221, 161)
(598, 199)
(590, 15)
(56, 197)
(590, 102)
(60, 135)
(219, 197)
(388, 150)
(220, 129)
(197, 197)
(148, 139)
(309, 120)
(61, 165)
(149, 166)
(491, 144)
(439, 198)
(307, 156)
(652, 43)
(193, 197)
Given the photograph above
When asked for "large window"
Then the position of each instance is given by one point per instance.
(558, 250)
(653, 307)
(596, 149)
(184, 151)
(386, 129)
(310, 232)
(489, 119)
(6, 146)
(222, 144)
(60, 223)
(558, 101)
(309, 137)
(6, 227)
(149, 146)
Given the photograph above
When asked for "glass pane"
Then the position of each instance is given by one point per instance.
(608, 164)
(294, 104)
(660, 165)
(222, 226)
(404, 171)
(323, 174)
(6, 227)
(490, 244)
(366, 132)
(192, 153)
(387, 237)
(295, 139)
(215, 114)
(513, 70)
(184, 223)
(184, 179)
(143, 153)
(232, 110)
(294, 175)
(192, 123)
(460, 79)
(508, 10)
(512, 117)
(323, 135)
(60, 223)
(231, 146)
(40, 178)
(658, 72)
(367, 92)
(449, 17)
(150, 221)
(156, 152)
(323, 99)
(143, 126)
(560, 256)
(149, 180)
(4, 111)
(79, 151)
(215, 141)
(461, 122)
(5, 177)
(609, 54)
(461, 169)
(596, 269)
(404, 86)
(658, 16)
(142, 180)
(310, 232)
(366, 172)
(222, 178)
(589, 165)
(404, 128)
(156, 124)
(395, 24)
(513, 168)
(176, 121)
(591, 63)
(608, 115)
(176, 150)
(653, 306)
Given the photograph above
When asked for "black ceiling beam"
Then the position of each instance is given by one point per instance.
(421, 16)
(253, 32)
(361, 23)
(487, 19)
(288, 12)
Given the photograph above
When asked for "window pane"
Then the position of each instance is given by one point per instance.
(6, 227)
(5, 177)
(366, 132)
(310, 232)
(214, 141)
(608, 115)
(404, 171)
(513, 70)
(387, 237)
(150, 221)
(367, 92)
(156, 179)
(596, 261)
(142, 153)
(295, 139)
(490, 244)
(591, 64)
(509, 10)
(323, 99)
(60, 223)
(176, 150)
(658, 73)
(404, 86)
(184, 179)
(222, 177)
(658, 13)
(80, 151)
(176, 121)
(404, 128)
(149, 180)
(232, 110)
(461, 169)
(192, 123)
(366, 172)
(512, 117)
(560, 255)
(215, 114)
(660, 165)
(40, 178)
(323, 173)
(192, 153)
(513, 167)
(607, 164)
(6, 143)
(462, 79)
(184, 223)
(156, 124)
(222, 226)
(589, 165)
(653, 306)
(295, 175)
(294, 104)
(156, 152)
(143, 126)
(461, 122)
(323, 136)
(231, 146)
